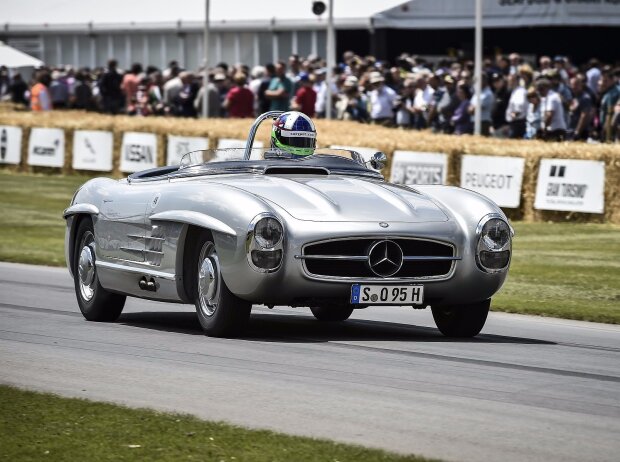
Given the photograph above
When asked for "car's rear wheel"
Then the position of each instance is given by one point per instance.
(461, 321)
(96, 303)
(220, 312)
(332, 312)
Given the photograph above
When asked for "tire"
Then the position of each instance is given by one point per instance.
(220, 312)
(461, 321)
(96, 303)
(332, 313)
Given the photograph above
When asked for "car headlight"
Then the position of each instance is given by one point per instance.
(494, 244)
(265, 243)
(268, 232)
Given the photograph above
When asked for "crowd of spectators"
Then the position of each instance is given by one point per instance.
(551, 99)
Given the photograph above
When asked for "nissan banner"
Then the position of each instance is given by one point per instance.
(499, 178)
(411, 167)
(571, 185)
(10, 144)
(178, 146)
(46, 147)
(92, 150)
(138, 152)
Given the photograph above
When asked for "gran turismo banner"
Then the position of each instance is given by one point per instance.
(178, 146)
(571, 185)
(498, 178)
(92, 150)
(412, 167)
(10, 144)
(46, 147)
(138, 152)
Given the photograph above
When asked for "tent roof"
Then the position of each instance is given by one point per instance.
(70, 15)
(12, 58)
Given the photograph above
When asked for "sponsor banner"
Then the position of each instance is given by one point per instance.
(238, 146)
(92, 150)
(138, 152)
(498, 178)
(46, 147)
(178, 146)
(571, 185)
(365, 152)
(10, 144)
(412, 167)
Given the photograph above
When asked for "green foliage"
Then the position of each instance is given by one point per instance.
(37, 426)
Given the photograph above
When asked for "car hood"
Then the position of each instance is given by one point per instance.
(340, 198)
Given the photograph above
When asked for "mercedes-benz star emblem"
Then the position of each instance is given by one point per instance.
(385, 258)
(383, 224)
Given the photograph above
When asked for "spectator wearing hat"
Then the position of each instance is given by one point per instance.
(239, 101)
(381, 99)
(305, 97)
(516, 111)
(352, 105)
(553, 120)
(280, 89)
(581, 110)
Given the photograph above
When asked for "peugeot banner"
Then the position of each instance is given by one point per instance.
(138, 152)
(571, 185)
(46, 147)
(92, 150)
(498, 178)
(411, 167)
(10, 144)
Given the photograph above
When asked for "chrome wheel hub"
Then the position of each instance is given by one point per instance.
(208, 279)
(86, 267)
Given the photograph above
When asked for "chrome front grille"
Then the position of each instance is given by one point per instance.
(349, 258)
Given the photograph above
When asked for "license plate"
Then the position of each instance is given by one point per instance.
(386, 295)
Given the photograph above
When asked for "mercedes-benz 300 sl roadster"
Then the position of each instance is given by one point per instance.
(226, 230)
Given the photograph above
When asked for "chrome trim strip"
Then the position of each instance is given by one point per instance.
(365, 258)
(80, 208)
(131, 269)
(129, 249)
(136, 236)
(333, 257)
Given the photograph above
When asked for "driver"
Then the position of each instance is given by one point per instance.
(294, 133)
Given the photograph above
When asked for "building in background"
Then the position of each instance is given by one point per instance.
(88, 32)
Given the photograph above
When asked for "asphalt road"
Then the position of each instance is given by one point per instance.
(526, 389)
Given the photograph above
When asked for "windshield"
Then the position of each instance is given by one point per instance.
(195, 158)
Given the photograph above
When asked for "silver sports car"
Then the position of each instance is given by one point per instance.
(226, 230)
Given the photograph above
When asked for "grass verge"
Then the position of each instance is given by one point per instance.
(566, 270)
(41, 426)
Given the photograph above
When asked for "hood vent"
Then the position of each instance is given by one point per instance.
(320, 171)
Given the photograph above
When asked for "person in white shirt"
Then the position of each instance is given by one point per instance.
(382, 99)
(487, 99)
(553, 121)
(421, 101)
(516, 111)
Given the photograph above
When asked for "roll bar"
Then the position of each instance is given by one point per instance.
(250, 141)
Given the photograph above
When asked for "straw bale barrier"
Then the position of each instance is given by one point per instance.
(350, 134)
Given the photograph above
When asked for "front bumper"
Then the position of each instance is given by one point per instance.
(291, 284)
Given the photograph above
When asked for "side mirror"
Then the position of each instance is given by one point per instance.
(378, 161)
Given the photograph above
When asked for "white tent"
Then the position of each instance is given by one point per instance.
(12, 58)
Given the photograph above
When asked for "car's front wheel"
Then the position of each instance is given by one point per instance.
(332, 312)
(463, 320)
(96, 303)
(220, 312)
